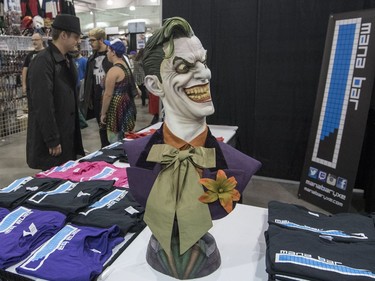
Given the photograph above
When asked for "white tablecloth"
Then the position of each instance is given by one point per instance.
(240, 239)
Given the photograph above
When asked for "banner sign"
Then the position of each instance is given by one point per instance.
(341, 109)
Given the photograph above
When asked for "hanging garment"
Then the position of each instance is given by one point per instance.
(51, 8)
(30, 8)
(67, 7)
(12, 6)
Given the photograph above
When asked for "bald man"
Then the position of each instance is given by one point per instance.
(37, 40)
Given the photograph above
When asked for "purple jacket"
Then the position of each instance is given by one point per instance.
(142, 174)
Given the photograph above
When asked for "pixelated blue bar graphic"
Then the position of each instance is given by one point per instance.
(339, 77)
(35, 261)
(325, 266)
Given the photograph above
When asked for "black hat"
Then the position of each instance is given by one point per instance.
(67, 23)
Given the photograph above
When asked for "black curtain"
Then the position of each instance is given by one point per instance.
(265, 58)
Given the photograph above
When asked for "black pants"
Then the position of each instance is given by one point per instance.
(97, 106)
(144, 93)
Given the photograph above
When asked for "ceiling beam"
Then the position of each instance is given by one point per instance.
(86, 2)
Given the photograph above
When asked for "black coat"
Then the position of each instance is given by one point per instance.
(53, 110)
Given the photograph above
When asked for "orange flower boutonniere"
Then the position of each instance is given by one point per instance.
(222, 189)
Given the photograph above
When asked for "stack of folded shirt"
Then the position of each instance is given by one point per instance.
(23, 230)
(306, 245)
(15, 194)
(88, 171)
(115, 208)
(110, 154)
(74, 253)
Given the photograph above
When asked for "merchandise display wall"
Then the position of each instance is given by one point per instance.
(13, 50)
(265, 58)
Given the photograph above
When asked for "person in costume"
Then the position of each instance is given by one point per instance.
(182, 175)
(118, 111)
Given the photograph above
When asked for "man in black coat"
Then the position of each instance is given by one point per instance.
(53, 133)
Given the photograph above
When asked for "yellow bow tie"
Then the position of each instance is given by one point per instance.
(175, 193)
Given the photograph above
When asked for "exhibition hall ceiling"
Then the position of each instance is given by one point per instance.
(118, 13)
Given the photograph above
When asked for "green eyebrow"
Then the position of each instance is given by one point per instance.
(185, 61)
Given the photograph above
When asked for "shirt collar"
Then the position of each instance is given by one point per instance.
(158, 138)
(58, 56)
(173, 140)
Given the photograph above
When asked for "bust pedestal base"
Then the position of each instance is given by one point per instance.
(200, 260)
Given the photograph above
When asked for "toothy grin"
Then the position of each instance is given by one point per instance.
(199, 93)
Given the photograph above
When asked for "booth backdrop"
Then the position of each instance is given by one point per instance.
(265, 58)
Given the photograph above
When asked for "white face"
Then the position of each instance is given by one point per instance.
(186, 80)
(94, 43)
(37, 41)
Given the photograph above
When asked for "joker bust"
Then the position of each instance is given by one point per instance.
(183, 176)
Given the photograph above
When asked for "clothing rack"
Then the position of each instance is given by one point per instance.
(13, 104)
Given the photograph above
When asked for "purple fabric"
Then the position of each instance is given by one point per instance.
(142, 174)
(23, 230)
(75, 253)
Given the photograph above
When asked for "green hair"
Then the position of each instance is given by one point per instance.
(153, 55)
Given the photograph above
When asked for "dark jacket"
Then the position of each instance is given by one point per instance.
(142, 174)
(53, 110)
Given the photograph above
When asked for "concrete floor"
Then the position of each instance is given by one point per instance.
(259, 191)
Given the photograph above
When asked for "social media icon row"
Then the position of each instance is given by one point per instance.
(328, 178)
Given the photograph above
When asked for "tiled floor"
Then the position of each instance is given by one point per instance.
(258, 193)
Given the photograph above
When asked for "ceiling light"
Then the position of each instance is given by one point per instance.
(109, 2)
(91, 13)
(153, 1)
(131, 8)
